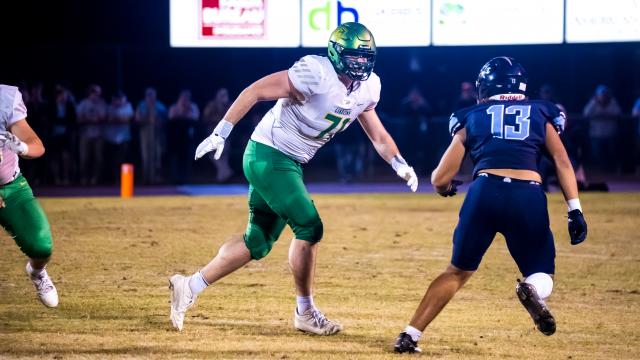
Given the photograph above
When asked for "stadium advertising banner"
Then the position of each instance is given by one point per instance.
(497, 22)
(235, 23)
(603, 21)
(393, 23)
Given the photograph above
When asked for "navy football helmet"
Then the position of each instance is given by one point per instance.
(501, 75)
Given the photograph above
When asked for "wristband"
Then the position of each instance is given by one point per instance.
(223, 129)
(23, 148)
(574, 204)
(397, 161)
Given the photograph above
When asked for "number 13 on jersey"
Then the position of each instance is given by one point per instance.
(510, 132)
(334, 121)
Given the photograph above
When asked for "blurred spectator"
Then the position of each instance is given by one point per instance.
(213, 113)
(545, 166)
(62, 115)
(603, 113)
(350, 150)
(635, 112)
(467, 96)
(635, 115)
(576, 141)
(547, 92)
(91, 115)
(37, 108)
(117, 133)
(420, 139)
(151, 116)
(23, 87)
(183, 115)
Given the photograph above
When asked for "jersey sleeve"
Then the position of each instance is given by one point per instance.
(307, 76)
(19, 109)
(12, 105)
(555, 116)
(456, 123)
(374, 91)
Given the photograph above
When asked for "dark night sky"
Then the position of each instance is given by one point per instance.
(135, 22)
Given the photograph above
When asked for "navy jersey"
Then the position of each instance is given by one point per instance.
(506, 134)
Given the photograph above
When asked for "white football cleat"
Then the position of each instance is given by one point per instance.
(181, 299)
(45, 289)
(313, 321)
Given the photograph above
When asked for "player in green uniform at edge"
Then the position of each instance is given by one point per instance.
(317, 98)
(20, 214)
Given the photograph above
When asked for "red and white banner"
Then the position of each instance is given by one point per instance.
(234, 23)
(222, 19)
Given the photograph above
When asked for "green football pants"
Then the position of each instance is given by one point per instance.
(23, 218)
(277, 196)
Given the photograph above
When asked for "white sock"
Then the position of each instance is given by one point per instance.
(304, 303)
(32, 271)
(542, 282)
(413, 332)
(197, 283)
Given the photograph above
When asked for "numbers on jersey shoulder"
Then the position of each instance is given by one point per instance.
(334, 121)
(510, 132)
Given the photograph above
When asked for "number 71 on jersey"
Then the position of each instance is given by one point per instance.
(334, 121)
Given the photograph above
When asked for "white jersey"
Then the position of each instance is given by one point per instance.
(299, 130)
(12, 109)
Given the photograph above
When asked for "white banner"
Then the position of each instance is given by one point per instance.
(603, 21)
(392, 22)
(497, 22)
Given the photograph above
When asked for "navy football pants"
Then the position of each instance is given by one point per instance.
(516, 209)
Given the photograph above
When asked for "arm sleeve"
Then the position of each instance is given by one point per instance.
(307, 75)
(455, 124)
(636, 109)
(19, 110)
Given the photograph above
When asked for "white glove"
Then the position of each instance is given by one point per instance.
(11, 142)
(405, 171)
(215, 141)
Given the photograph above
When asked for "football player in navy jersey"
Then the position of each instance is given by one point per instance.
(505, 134)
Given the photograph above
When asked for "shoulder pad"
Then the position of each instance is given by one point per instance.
(455, 124)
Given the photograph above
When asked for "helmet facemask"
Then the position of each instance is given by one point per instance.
(357, 64)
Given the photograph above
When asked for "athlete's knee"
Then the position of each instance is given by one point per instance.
(461, 274)
(311, 229)
(38, 247)
(464, 262)
(258, 242)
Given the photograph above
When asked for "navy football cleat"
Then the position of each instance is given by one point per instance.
(405, 344)
(538, 310)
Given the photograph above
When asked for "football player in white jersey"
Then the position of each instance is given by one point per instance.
(318, 97)
(20, 213)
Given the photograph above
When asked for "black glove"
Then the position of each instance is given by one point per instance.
(453, 188)
(577, 227)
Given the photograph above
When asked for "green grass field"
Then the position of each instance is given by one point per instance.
(112, 259)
